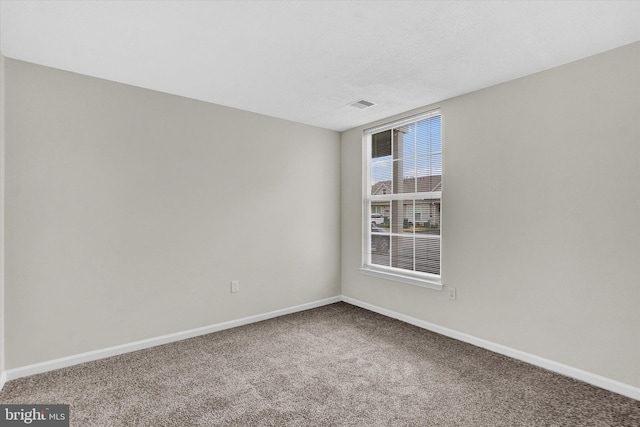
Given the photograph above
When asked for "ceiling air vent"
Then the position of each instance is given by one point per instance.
(362, 104)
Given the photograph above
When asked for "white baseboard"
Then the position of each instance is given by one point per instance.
(569, 371)
(50, 365)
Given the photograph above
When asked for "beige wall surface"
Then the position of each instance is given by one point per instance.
(541, 225)
(130, 211)
(1, 213)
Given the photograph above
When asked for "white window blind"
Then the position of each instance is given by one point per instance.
(404, 184)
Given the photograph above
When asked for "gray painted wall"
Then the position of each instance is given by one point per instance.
(541, 227)
(130, 211)
(2, 247)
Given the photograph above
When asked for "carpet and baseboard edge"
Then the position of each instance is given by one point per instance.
(562, 369)
(569, 371)
(50, 365)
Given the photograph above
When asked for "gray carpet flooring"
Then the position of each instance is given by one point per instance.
(337, 365)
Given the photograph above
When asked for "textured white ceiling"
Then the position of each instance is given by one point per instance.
(306, 61)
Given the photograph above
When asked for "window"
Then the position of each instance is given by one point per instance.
(404, 183)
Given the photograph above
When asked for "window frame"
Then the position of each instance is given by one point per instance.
(422, 279)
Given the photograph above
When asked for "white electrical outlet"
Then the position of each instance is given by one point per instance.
(235, 286)
(452, 293)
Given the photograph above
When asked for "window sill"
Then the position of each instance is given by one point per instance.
(424, 282)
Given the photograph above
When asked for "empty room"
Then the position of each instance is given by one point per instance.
(320, 213)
